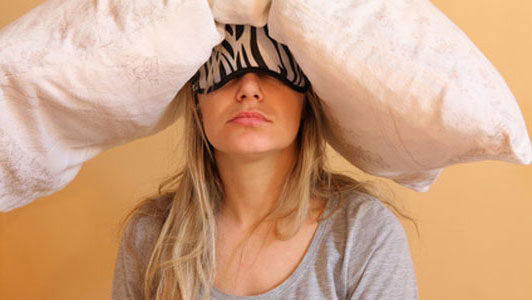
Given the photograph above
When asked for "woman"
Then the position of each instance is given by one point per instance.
(254, 214)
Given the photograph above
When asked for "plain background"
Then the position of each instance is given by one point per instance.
(475, 221)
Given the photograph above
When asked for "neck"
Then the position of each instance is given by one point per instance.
(252, 183)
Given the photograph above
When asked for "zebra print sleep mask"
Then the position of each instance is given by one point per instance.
(249, 49)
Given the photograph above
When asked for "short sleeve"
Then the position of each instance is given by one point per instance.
(382, 265)
(134, 251)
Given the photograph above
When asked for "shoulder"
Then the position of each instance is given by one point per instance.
(363, 217)
(137, 240)
(373, 233)
(377, 254)
(141, 231)
(362, 207)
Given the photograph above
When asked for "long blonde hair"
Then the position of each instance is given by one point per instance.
(182, 263)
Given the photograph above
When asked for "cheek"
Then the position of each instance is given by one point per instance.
(209, 124)
(213, 121)
(292, 119)
(296, 111)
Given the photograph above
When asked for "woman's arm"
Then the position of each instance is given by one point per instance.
(134, 250)
(125, 283)
(384, 268)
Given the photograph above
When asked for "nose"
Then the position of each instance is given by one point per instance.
(249, 87)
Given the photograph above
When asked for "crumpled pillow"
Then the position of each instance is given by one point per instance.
(79, 77)
(407, 91)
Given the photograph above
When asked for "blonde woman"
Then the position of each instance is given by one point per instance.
(254, 213)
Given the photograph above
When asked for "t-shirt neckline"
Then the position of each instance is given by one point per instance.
(299, 271)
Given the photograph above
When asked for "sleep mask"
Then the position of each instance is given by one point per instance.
(249, 49)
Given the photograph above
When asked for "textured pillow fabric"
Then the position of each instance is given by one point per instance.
(78, 77)
(251, 12)
(406, 89)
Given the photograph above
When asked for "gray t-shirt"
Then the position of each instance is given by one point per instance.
(361, 252)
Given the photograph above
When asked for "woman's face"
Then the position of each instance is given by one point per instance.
(252, 92)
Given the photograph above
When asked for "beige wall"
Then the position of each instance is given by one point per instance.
(475, 222)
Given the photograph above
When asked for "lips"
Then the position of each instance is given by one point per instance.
(249, 115)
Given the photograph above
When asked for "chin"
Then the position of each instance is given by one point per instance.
(248, 148)
(252, 149)
(251, 144)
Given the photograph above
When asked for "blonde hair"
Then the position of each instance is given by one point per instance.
(182, 263)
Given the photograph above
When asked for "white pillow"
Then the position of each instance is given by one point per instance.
(402, 83)
(252, 12)
(409, 93)
(78, 77)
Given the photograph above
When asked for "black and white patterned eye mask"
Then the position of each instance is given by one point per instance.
(250, 49)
